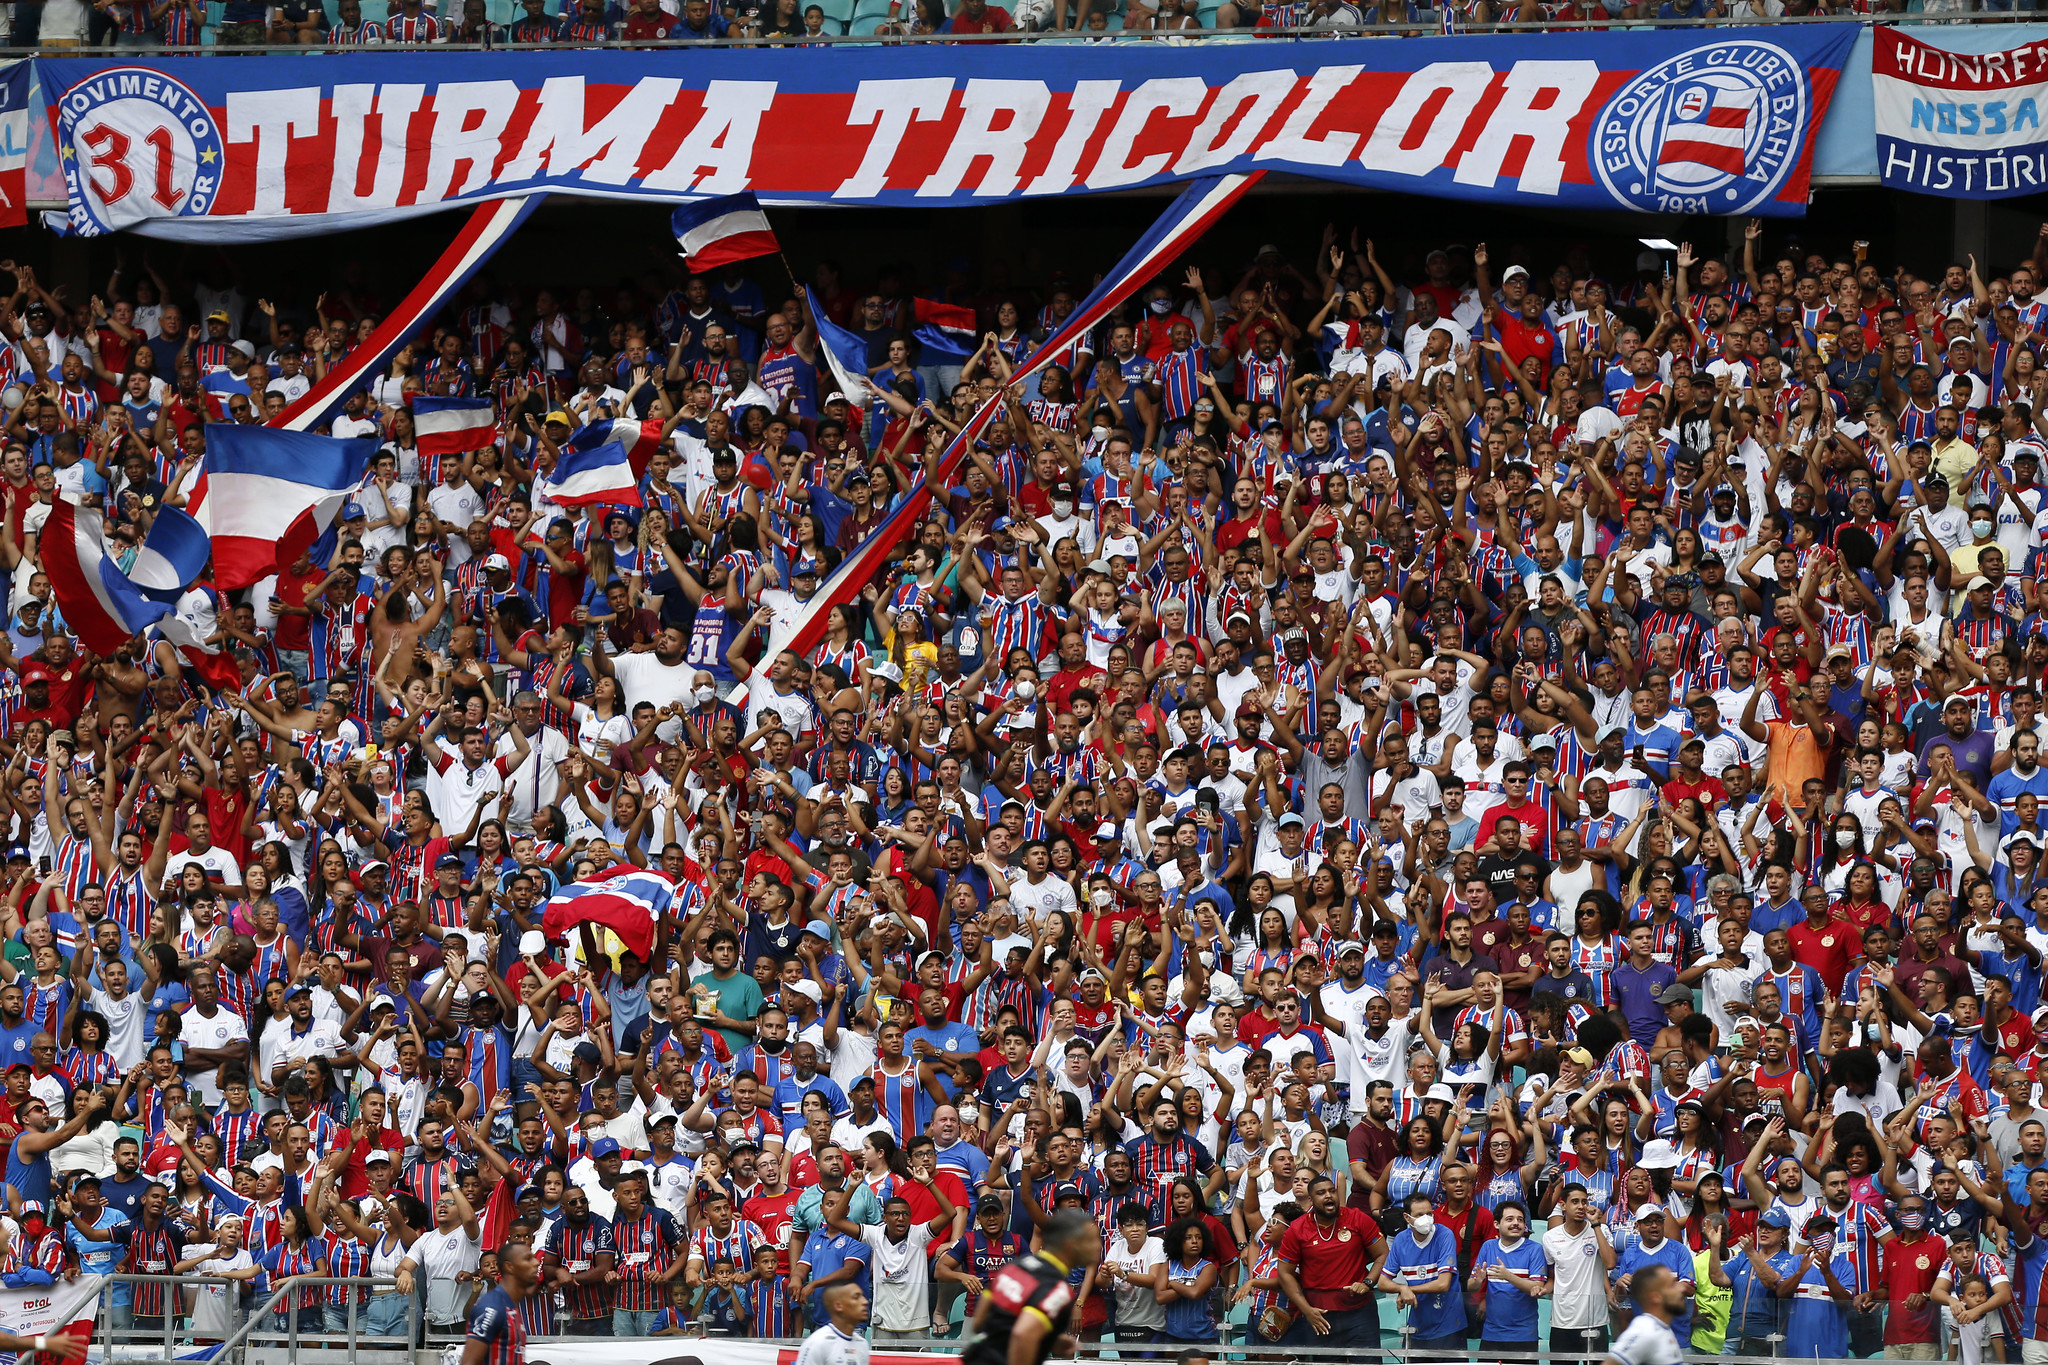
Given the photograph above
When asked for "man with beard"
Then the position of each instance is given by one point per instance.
(1163, 1154)
(579, 1261)
(1330, 1263)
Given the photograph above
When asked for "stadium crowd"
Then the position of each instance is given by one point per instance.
(1413, 796)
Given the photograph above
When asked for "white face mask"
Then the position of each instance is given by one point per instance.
(1845, 838)
(1099, 433)
(1425, 1227)
(1980, 527)
(704, 695)
(1162, 306)
(1062, 510)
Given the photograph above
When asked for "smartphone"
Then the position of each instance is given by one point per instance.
(43, 864)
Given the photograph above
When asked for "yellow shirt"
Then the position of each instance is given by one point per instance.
(1953, 458)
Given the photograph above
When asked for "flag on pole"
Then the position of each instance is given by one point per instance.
(1192, 214)
(489, 228)
(731, 227)
(625, 899)
(264, 494)
(846, 355)
(601, 464)
(945, 330)
(453, 426)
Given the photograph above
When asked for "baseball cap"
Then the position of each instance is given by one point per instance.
(1290, 819)
(218, 315)
(353, 512)
(1345, 950)
(447, 860)
(558, 416)
(376, 1154)
(1644, 1211)
(588, 1052)
(1106, 830)
(1513, 272)
(887, 668)
(988, 1203)
(497, 562)
(1579, 1055)
(603, 1147)
(804, 568)
(1674, 994)
(1775, 1217)
(247, 348)
(532, 943)
(820, 928)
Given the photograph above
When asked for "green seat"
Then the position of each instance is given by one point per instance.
(837, 13)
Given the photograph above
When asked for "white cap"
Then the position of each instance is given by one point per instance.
(1511, 272)
(1658, 1155)
(532, 943)
(1648, 1211)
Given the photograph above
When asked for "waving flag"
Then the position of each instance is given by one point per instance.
(172, 558)
(599, 466)
(625, 899)
(453, 426)
(1189, 216)
(489, 228)
(945, 329)
(265, 494)
(729, 228)
(99, 602)
(846, 355)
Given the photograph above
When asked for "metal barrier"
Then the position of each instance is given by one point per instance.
(246, 1326)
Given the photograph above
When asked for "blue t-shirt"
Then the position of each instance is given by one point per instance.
(14, 1042)
(826, 1252)
(1671, 1253)
(103, 1258)
(1636, 993)
(1510, 1312)
(1434, 1315)
(1755, 1309)
(945, 1037)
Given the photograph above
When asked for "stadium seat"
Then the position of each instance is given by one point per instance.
(837, 13)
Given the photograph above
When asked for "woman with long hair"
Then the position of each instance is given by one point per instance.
(300, 1252)
(1503, 1175)
(883, 1166)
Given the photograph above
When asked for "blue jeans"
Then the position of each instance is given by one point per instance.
(298, 662)
(632, 1322)
(334, 1318)
(386, 1315)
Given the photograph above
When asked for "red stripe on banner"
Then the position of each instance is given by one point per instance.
(1710, 154)
(1723, 116)
(459, 441)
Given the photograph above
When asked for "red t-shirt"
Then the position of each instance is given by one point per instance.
(1538, 824)
(1828, 950)
(1521, 340)
(643, 28)
(1912, 1268)
(355, 1180)
(293, 632)
(1707, 791)
(772, 1213)
(565, 590)
(924, 1208)
(992, 20)
(1327, 1260)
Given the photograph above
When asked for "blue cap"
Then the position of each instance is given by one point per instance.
(1775, 1217)
(822, 928)
(604, 1146)
(1000, 524)
(447, 860)
(352, 511)
(806, 567)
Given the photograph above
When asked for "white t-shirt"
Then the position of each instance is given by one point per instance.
(1135, 1306)
(1646, 1340)
(901, 1274)
(1038, 901)
(441, 1256)
(124, 1026)
(200, 1032)
(458, 506)
(1578, 1280)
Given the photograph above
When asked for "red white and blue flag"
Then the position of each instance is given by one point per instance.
(104, 607)
(944, 329)
(602, 464)
(489, 228)
(264, 495)
(625, 899)
(1707, 126)
(1192, 214)
(731, 227)
(453, 426)
(846, 355)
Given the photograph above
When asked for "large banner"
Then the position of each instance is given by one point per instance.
(15, 81)
(1715, 121)
(1960, 125)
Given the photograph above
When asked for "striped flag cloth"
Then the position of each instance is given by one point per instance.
(1192, 214)
(603, 463)
(264, 494)
(1706, 126)
(625, 899)
(103, 606)
(731, 227)
(453, 426)
(944, 329)
(846, 355)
